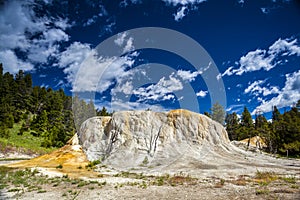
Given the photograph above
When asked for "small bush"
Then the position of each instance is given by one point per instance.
(92, 164)
(59, 166)
(145, 161)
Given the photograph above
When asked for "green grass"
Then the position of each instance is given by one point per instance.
(26, 142)
(289, 179)
(262, 191)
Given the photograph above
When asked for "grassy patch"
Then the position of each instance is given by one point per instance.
(264, 178)
(289, 179)
(26, 143)
(262, 191)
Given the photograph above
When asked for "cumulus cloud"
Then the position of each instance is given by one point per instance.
(98, 74)
(286, 47)
(256, 89)
(72, 57)
(38, 38)
(12, 64)
(87, 71)
(187, 75)
(265, 59)
(159, 90)
(287, 96)
(202, 93)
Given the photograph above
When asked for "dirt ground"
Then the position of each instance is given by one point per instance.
(211, 188)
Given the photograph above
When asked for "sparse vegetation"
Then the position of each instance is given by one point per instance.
(262, 191)
(145, 161)
(264, 183)
(93, 164)
(264, 178)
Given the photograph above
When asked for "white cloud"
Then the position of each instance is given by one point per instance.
(18, 25)
(98, 74)
(125, 3)
(72, 57)
(159, 90)
(262, 59)
(202, 93)
(287, 96)
(219, 76)
(187, 75)
(55, 35)
(228, 71)
(254, 61)
(256, 89)
(120, 39)
(265, 10)
(181, 12)
(103, 12)
(183, 2)
(241, 2)
(62, 23)
(286, 47)
(183, 8)
(15, 19)
(86, 71)
(235, 108)
(12, 64)
(127, 44)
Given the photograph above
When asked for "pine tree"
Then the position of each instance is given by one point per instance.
(232, 125)
(247, 124)
(218, 113)
(275, 114)
(103, 112)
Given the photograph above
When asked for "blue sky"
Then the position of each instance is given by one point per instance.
(248, 55)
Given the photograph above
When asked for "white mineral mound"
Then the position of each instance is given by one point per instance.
(135, 138)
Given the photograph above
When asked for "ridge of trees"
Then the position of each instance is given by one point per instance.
(43, 112)
(281, 134)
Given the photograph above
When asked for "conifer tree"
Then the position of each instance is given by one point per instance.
(218, 113)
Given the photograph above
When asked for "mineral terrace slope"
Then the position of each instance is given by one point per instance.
(179, 140)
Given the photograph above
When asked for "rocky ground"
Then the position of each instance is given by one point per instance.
(263, 185)
(279, 180)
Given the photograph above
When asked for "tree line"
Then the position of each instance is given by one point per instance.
(281, 134)
(42, 111)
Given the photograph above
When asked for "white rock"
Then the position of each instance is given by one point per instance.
(135, 138)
